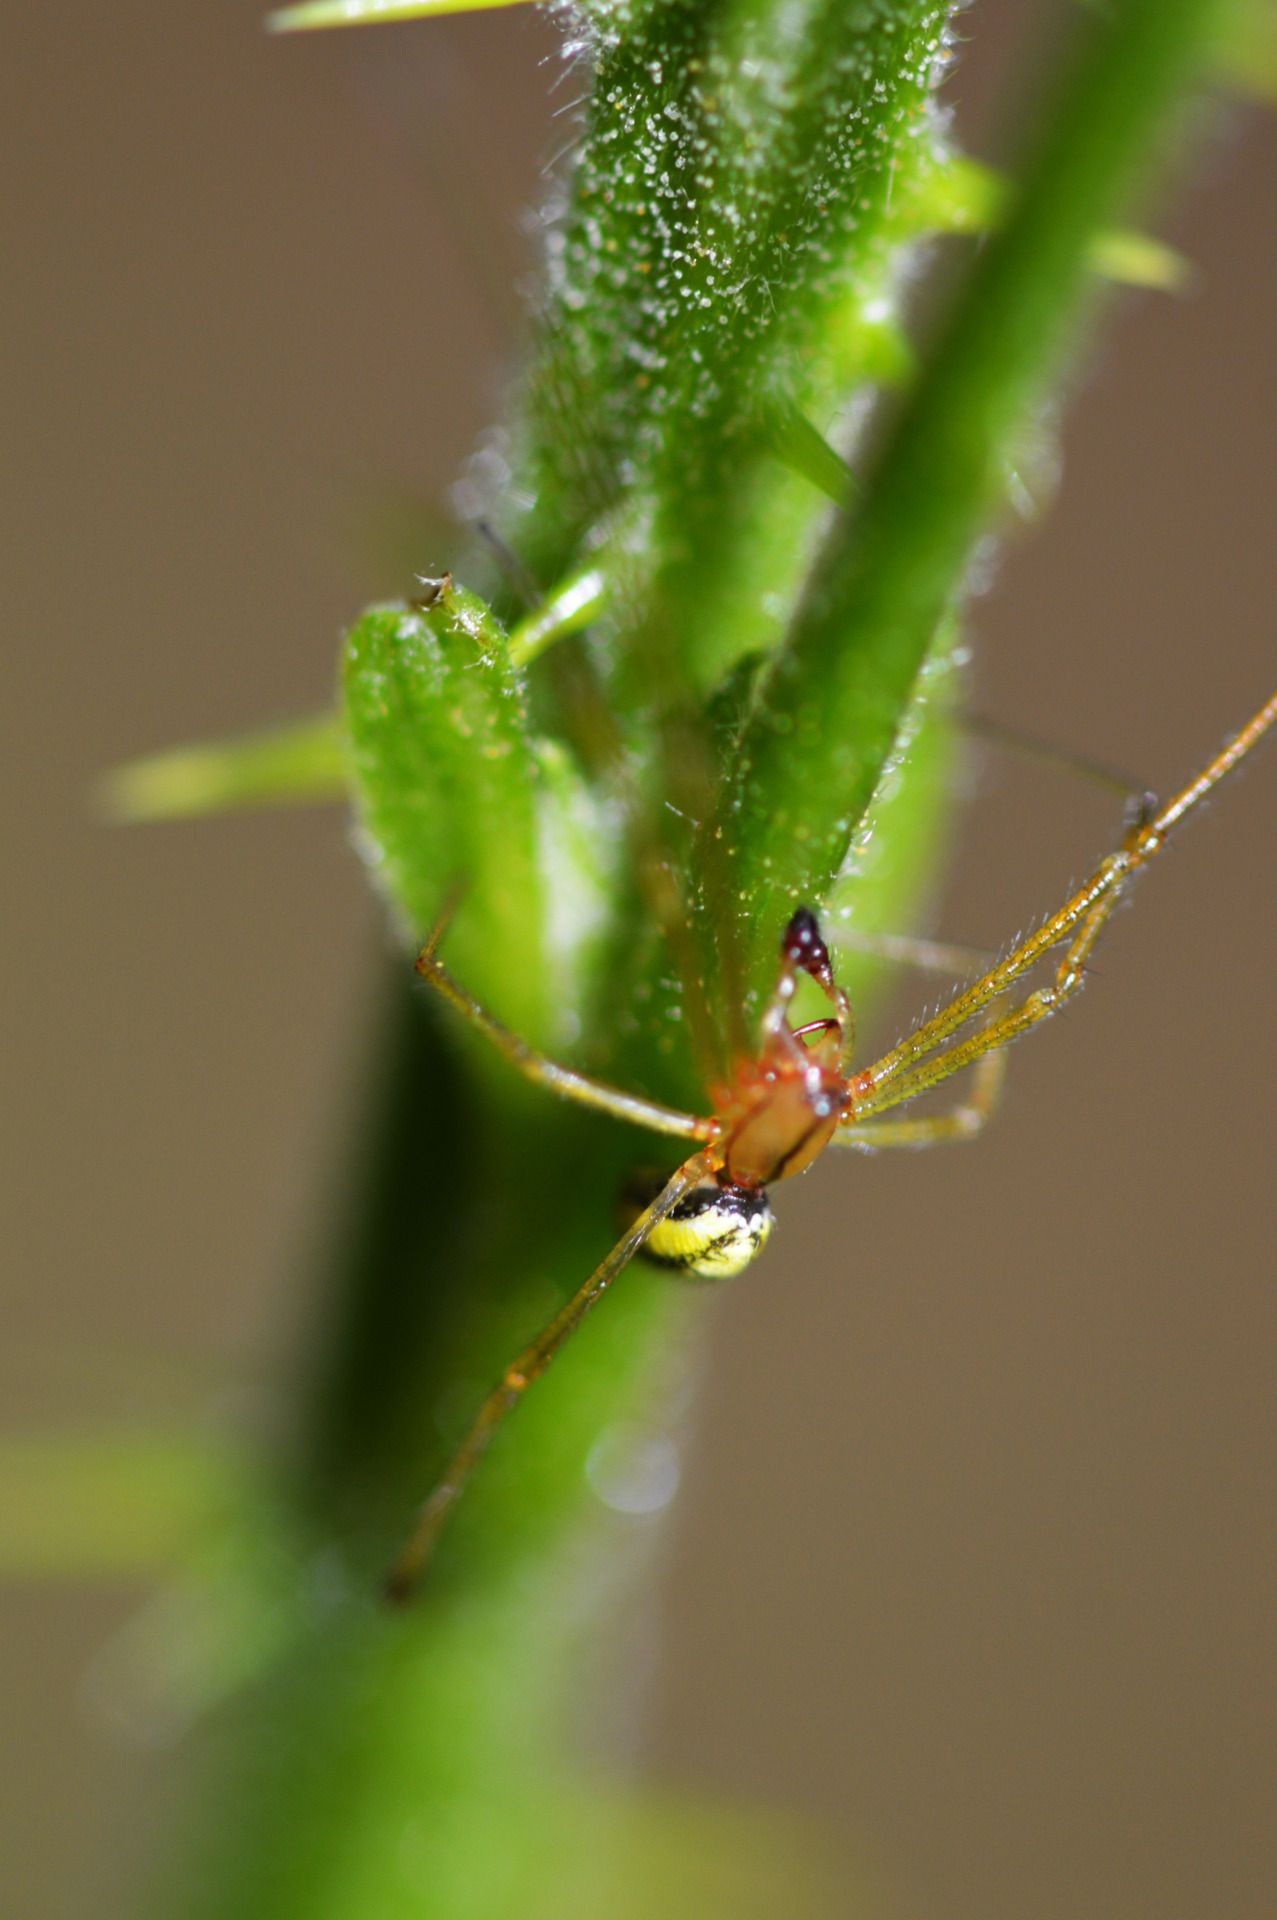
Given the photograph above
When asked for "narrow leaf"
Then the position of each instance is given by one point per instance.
(1246, 57)
(315, 14)
(572, 605)
(79, 1506)
(296, 765)
(963, 196)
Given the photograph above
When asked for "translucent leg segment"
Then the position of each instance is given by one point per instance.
(913, 950)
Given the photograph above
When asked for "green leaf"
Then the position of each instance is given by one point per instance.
(570, 607)
(1133, 259)
(650, 1857)
(962, 196)
(1246, 54)
(83, 1506)
(445, 783)
(804, 449)
(315, 14)
(1244, 50)
(296, 765)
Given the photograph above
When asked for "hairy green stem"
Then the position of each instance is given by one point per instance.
(415, 1763)
(892, 567)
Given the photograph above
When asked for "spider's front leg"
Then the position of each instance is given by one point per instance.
(963, 1122)
(998, 1033)
(922, 1059)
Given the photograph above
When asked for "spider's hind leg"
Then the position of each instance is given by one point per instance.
(523, 1370)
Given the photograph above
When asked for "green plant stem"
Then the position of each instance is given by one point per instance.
(413, 1764)
(894, 565)
(385, 1754)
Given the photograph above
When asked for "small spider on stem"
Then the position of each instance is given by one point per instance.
(794, 1096)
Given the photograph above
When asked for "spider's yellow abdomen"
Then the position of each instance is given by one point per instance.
(713, 1232)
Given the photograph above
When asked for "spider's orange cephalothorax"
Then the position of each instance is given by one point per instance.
(784, 1105)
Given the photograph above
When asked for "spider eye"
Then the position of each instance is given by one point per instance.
(713, 1232)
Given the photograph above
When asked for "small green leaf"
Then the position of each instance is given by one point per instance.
(802, 447)
(445, 779)
(296, 765)
(567, 609)
(314, 14)
(963, 196)
(80, 1506)
(1247, 54)
(644, 1856)
(1134, 259)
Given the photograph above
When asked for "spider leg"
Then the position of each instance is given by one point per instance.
(962, 1122)
(900, 1073)
(519, 1375)
(1004, 1028)
(1047, 753)
(535, 1066)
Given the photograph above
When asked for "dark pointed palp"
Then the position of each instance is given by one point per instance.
(803, 946)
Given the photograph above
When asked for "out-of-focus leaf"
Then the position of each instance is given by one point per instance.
(314, 14)
(963, 196)
(569, 607)
(296, 765)
(728, 1862)
(1247, 53)
(797, 441)
(647, 1857)
(81, 1506)
(1135, 259)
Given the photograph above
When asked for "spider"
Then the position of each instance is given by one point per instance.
(796, 1095)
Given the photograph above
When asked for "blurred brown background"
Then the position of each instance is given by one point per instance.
(975, 1556)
